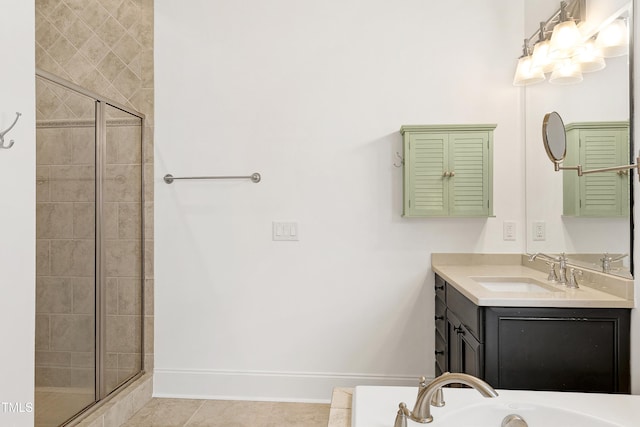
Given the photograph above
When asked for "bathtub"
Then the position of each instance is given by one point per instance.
(377, 407)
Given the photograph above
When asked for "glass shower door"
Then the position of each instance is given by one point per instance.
(89, 249)
(123, 246)
(65, 259)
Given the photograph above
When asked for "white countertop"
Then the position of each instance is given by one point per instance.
(589, 294)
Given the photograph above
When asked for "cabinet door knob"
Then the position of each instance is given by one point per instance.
(458, 329)
(439, 352)
(439, 317)
(452, 173)
(445, 174)
(440, 287)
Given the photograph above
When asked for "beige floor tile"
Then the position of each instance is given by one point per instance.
(225, 413)
(300, 415)
(232, 414)
(340, 417)
(342, 397)
(165, 413)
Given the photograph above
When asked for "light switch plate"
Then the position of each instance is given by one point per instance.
(509, 230)
(287, 231)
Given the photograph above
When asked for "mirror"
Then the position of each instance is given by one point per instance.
(602, 97)
(554, 137)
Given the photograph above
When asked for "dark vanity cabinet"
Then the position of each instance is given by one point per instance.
(533, 348)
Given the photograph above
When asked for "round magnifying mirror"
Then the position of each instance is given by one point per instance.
(554, 137)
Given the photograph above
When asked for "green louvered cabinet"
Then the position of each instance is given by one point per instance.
(448, 170)
(597, 145)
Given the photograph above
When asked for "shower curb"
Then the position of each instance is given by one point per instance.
(117, 408)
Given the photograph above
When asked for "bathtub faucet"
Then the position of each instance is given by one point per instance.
(431, 394)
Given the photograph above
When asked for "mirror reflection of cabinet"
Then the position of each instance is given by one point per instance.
(448, 170)
(597, 145)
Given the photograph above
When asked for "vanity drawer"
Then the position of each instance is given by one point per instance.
(440, 287)
(440, 319)
(468, 313)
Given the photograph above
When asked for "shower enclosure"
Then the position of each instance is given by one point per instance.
(89, 249)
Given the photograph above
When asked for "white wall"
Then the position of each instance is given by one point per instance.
(17, 214)
(312, 95)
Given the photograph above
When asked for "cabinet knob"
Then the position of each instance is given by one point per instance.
(458, 329)
(452, 173)
(445, 174)
(439, 317)
(439, 352)
(440, 288)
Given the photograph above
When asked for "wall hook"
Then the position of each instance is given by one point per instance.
(401, 160)
(2, 134)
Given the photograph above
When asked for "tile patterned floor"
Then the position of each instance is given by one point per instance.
(341, 401)
(223, 413)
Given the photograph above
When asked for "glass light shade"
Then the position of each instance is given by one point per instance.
(590, 57)
(526, 74)
(564, 40)
(566, 72)
(614, 39)
(541, 58)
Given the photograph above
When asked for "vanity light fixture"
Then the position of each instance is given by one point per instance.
(526, 73)
(541, 55)
(574, 45)
(566, 38)
(558, 39)
(614, 39)
(566, 72)
(590, 57)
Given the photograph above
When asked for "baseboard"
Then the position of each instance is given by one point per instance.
(263, 386)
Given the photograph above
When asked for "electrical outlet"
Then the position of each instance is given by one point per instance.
(539, 231)
(509, 230)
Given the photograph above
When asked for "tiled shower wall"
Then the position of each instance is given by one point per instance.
(105, 46)
(65, 258)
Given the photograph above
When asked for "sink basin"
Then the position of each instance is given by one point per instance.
(513, 284)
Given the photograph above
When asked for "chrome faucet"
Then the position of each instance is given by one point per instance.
(552, 277)
(561, 277)
(573, 278)
(432, 394)
(562, 269)
(607, 260)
